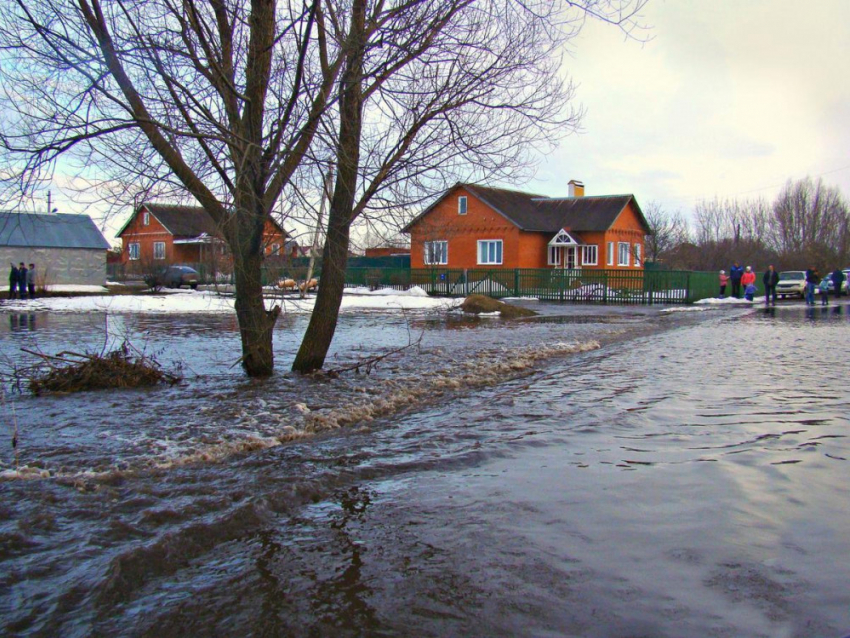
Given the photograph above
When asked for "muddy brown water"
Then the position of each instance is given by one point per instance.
(688, 476)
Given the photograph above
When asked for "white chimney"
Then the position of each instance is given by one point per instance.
(576, 188)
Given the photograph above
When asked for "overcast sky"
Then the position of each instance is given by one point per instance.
(729, 98)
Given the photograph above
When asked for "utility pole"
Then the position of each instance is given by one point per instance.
(314, 247)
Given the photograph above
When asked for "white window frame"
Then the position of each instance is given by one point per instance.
(638, 255)
(586, 252)
(274, 249)
(462, 205)
(610, 253)
(133, 250)
(623, 254)
(555, 255)
(159, 250)
(499, 252)
(442, 257)
(146, 219)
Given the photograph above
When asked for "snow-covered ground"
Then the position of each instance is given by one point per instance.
(192, 301)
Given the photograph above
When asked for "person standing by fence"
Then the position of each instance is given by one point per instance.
(724, 279)
(748, 279)
(31, 281)
(13, 282)
(22, 280)
(770, 279)
(735, 274)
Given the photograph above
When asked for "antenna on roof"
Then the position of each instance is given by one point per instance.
(49, 208)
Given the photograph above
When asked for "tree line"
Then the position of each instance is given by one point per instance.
(807, 225)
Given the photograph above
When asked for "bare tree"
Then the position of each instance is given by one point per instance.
(221, 99)
(432, 92)
(230, 101)
(667, 231)
(811, 225)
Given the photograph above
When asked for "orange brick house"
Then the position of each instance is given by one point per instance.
(471, 226)
(183, 234)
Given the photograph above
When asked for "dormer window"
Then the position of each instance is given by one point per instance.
(146, 218)
(461, 205)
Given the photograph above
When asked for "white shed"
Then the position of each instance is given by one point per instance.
(66, 249)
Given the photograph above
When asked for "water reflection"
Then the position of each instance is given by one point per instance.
(22, 322)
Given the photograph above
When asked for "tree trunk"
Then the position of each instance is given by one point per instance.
(317, 340)
(255, 322)
(320, 332)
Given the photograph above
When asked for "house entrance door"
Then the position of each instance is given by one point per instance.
(570, 260)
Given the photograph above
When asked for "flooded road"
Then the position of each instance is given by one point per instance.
(599, 473)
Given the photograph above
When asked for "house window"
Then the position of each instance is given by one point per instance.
(554, 255)
(637, 255)
(610, 253)
(590, 256)
(275, 249)
(146, 219)
(461, 205)
(622, 253)
(436, 253)
(133, 251)
(490, 252)
(159, 250)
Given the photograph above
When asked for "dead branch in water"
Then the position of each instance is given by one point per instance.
(370, 363)
(124, 367)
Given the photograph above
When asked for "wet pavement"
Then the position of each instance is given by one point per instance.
(596, 472)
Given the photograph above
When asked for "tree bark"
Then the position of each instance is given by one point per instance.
(317, 340)
(256, 324)
(320, 332)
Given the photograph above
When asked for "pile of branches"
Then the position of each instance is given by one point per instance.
(75, 372)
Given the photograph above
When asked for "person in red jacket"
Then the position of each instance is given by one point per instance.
(749, 277)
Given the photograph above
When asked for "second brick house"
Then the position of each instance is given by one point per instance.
(166, 234)
(472, 226)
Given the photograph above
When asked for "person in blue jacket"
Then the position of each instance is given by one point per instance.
(735, 274)
(812, 281)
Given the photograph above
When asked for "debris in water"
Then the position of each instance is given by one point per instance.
(75, 372)
(479, 304)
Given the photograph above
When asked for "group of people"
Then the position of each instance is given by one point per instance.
(22, 281)
(745, 278)
(814, 280)
(740, 278)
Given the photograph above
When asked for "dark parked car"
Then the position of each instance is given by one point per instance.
(173, 277)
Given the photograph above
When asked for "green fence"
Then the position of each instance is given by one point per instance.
(551, 284)
(600, 286)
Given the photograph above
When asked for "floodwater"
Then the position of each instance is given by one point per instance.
(599, 472)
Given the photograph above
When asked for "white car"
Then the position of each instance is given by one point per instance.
(791, 282)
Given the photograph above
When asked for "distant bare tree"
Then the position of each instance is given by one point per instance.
(811, 225)
(667, 231)
(732, 230)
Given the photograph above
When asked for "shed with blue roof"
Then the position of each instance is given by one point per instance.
(66, 249)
